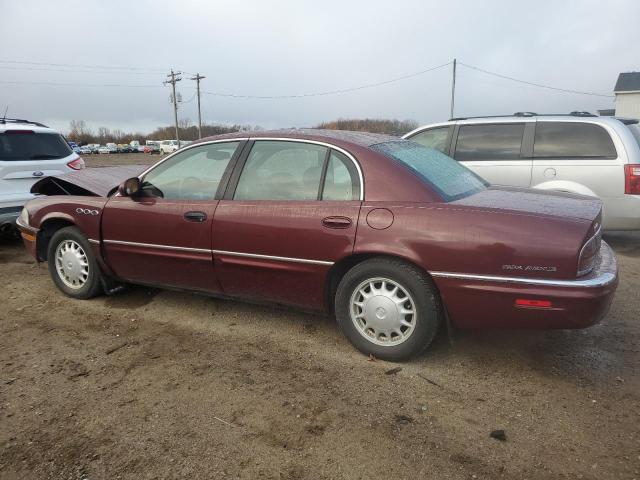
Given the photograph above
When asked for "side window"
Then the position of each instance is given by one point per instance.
(341, 181)
(194, 174)
(436, 138)
(277, 170)
(489, 142)
(572, 140)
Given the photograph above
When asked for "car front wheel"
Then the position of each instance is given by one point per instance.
(72, 264)
(388, 308)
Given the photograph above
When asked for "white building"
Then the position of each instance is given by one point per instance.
(627, 92)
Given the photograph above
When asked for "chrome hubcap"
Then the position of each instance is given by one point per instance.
(383, 311)
(72, 264)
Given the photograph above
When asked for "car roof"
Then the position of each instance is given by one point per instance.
(363, 139)
(613, 122)
(34, 127)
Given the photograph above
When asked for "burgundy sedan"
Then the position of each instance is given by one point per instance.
(392, 237)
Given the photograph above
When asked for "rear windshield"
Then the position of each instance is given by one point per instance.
(443, 174)
(26, 145)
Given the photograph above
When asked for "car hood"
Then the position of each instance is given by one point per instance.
(535, 202)
(96, 182)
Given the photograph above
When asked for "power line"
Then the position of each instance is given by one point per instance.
(329, 92)
(565, 90)
(60, 84)
(76, 65)
(110, 72)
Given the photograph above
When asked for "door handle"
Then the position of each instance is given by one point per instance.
(336, 222)
(195, 217)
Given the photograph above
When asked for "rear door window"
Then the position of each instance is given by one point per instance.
(489, 142)
(436, 138)
(16, 145)
(341, 179)
(572, 140)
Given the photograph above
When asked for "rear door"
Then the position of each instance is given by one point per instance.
(494, 151)
(578, 157)
(25, 157)
(162, 236)
(290, 212)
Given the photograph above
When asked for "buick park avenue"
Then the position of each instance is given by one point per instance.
(393, 238)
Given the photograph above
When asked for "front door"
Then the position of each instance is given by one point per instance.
(162, 235)
(290, 212)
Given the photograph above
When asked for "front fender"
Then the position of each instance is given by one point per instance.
(565, 186)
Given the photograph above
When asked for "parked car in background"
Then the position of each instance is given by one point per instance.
(152, 148)
(104, 149)
(389, 235)
(577, 153)
(86, 150)
(28, 152)
(169, 146)
(124, 148)
(113, 148)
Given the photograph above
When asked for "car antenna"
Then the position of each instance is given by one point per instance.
(5, 114)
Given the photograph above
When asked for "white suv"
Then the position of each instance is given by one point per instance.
(168, 146)
(29, 151)
(578, 153)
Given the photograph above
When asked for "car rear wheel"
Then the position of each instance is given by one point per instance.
(72, 264)
(388, 308)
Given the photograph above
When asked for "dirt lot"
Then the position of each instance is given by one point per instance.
(159, 384)
(105, 160)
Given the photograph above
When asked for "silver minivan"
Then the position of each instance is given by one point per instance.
(578, 153)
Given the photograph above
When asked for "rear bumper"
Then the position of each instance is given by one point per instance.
(482, 301)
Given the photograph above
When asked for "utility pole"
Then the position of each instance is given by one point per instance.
(174, 78)
(197, 78)
(453, 88)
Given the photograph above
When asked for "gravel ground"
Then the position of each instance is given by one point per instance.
(158, 384)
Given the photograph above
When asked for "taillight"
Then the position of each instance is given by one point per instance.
(632, 179)
(589, 254)
(76, 164)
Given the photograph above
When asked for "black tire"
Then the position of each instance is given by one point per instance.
(418, 285)
(92, 286)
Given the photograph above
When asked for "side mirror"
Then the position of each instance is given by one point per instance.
(129, 187)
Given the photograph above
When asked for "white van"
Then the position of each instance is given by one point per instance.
(169, 146)
(577, 153)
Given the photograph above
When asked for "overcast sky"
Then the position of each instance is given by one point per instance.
(270, 48)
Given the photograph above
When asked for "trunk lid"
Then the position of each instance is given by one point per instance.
(536, 202)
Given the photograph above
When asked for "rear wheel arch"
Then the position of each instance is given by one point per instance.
(341, 267)
(565, 186)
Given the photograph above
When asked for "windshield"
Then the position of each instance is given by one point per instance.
(28, 145)
(447, 177)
